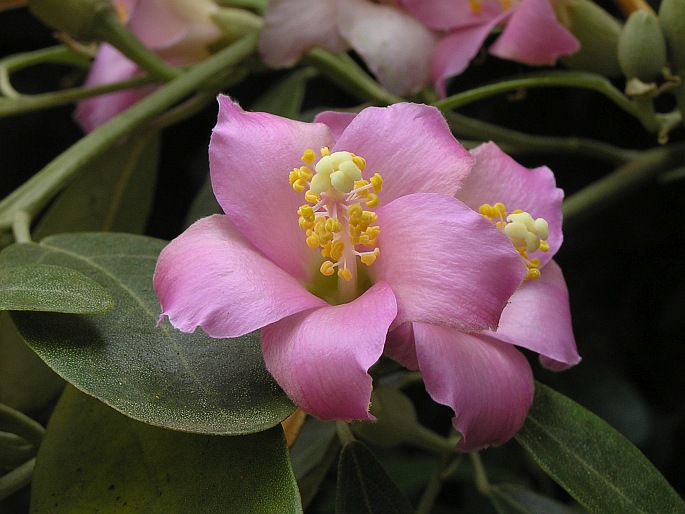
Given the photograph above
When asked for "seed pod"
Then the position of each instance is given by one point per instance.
(641, 47)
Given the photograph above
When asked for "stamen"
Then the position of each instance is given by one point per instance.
(527, 234)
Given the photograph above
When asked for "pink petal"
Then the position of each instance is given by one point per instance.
(446, 264)
(156, 24)
(391, 43)
(109, 66)
(496, 177)
(411, 146)
(488, 384)
(448, 14)
(533, 35)
(455, 51)
(211, 276)
(337, 121)
(538, 317)
(250, 156)
(321, 357)
(291, 27)
(399, 346)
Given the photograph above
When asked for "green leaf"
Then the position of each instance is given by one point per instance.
(312, 455)
(599, 467)
(364, 486)
(43, 287)
(285, 97)
(517, 500)
(114, 192)
(93, 459)
(157, 375)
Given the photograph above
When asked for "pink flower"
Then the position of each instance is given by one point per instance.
(532, 34)
(333, 253)
(178, 30)
(395, 46)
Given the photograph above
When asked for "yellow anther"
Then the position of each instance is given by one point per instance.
(305, 173)
(293, 176)
(487, 210)
(370, 257)
(311, 197)
(345, 273)
(325, 151)
(306, 212)
(327, 268)
(299, 185)
(500, 209)
(544, 246)
(358, 184)
(533, 274)
(354, 210)
(308, 156)
(533, 263)
(305, 223)
(376, 182)
(369, 217)
(333, 225)
(359, 161)
(326, 249)
(313, 241)
(337, 249)
(372, 200)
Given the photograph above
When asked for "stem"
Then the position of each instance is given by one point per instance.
(350, 77)
(21, 227)
(16, 479)
(625, 180)
(479, 474)
(443, 470)
(344, 432)
(531, 144)
(34, 194)
(551, 79)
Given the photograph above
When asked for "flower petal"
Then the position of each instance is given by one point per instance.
(336, 121)
(390, 41)
(487, 383)
(496, 177)
(446, 264)
(291, 27)
(156, 24)
(411, 146)
(211, 277)
(538, 317)
(533, 35)
(250, 156)
(321, 357)
(399, 346)
(448, 14)
(109, 66)
(455, 51)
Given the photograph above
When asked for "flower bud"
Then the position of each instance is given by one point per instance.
(598, 34)
(672, 20)
(641, 47)
(79, 18)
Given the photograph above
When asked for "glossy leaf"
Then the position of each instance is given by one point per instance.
(93, 459)
(599, 467)
(158, 375)
(364, 487)
(43, 287)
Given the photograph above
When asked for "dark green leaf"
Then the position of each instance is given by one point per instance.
(312, 456)
(513, 499)
(114, 192)
(600, 468)
(158, 375)
(93, 459)
(43, 287)
(285, 97)
(364, 486)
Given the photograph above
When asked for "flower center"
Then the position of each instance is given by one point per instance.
(337, 218)
(526, 234)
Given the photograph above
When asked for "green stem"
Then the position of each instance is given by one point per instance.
(26, 103)
(15, 422)
(349, 76)
(14, 450)
(443, 470)
(625, 180)
(551, 79)
(16, 479)
(521, 142)
(345, 434)
(21, 227)
(34, 194)
(479, 475)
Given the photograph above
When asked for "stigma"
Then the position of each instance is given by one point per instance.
(338, 218)
(527, 234)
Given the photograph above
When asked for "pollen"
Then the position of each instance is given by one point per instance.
(527, 234)
(338, 218)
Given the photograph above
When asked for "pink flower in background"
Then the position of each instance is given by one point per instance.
(395, 46)
(178, 30)
(531, 35)
(341, 253)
